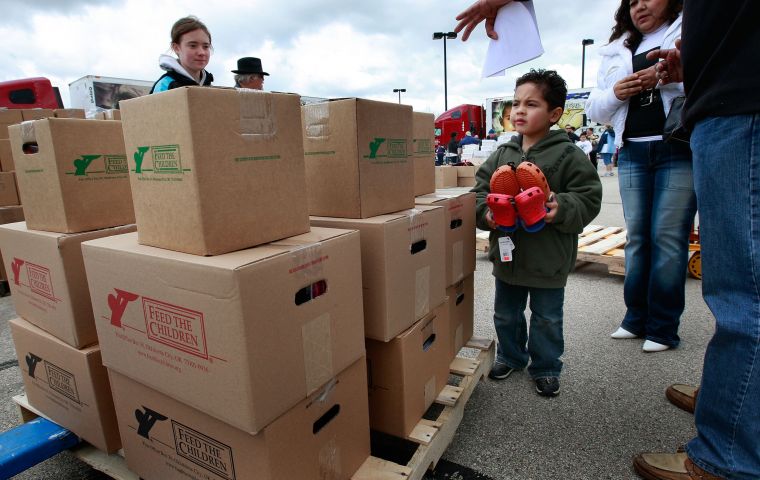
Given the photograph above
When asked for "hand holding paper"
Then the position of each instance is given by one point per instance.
(518, 39)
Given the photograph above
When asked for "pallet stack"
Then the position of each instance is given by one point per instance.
(69, 196)
(232, 330)
(278, 298)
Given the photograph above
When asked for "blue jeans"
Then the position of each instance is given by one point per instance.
(545, 344)
(727, 180)
(659, 205)
(607, 158)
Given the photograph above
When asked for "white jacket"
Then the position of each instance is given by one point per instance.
(602, 105)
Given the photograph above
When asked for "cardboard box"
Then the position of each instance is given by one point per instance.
(459, 224)
(357, 157)
(402, 267)
(69, 113)
(69, 386)
(461, 313)
(445, 177)
(407, 374)
(325, 436)
(48, 280)
(219, 169)
(36, 113)
(8, 117)
(266, 326)
(9, 215)
(6, 155)
(466, 176)
(8, 192)
(423, 152)
(77, 181)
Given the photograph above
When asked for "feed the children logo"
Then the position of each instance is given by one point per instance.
(177, 327)
(102, 165)
(62, 381)
(164, 159)
(58, 379)
(202, 450)
(387, 150)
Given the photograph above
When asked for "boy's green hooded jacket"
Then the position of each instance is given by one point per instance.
(544, 258)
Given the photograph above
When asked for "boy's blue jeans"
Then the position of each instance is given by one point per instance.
(659, 205)
(545, 343)
(727, 180)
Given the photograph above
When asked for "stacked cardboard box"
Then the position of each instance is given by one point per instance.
(223, 366)
(459, 224)
(445, 177)
(360, 177)
(55, 337)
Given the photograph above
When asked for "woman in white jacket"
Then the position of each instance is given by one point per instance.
(655, 177)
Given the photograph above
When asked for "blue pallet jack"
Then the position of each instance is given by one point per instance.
(31, 443)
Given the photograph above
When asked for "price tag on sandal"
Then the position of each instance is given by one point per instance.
(505, 249)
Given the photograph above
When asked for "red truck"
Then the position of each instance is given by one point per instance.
(29, 93)
(460, 119)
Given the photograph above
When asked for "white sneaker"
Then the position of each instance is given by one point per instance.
(650, 346)
(622, 333)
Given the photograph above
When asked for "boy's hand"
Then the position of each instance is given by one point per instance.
(553, 207)
(489, 219)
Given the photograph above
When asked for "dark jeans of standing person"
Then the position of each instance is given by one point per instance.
(544, 345)
(727, 181)
(659, 204)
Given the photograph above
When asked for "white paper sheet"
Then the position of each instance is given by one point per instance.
(519, 40)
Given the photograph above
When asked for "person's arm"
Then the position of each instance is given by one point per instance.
(476, 13)
(483, 216)
(581, 198)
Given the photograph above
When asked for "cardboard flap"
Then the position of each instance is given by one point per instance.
(317, 120)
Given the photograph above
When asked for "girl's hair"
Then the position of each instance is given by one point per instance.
(624, 22)
(185, 25)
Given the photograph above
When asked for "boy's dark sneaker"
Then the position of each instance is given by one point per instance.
(500, 371)
(547, 386)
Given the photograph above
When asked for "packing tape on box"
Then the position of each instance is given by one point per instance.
(422, 292)
(256, 117)
(416, 226)
(457, 261)
(317, 353)
(329, 461)
(28, 134)
(316, 119)
(307, 260)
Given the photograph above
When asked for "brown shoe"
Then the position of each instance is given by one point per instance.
(669, 466)
(682, 396)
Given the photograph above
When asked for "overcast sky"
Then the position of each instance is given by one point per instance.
(329, 48)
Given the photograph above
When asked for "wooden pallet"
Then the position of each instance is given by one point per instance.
(434, 436)
(599, 244)
(112, 465)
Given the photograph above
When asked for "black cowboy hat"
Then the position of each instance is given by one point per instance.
(248, 65)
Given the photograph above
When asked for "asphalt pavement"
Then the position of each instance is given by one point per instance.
(612, 403)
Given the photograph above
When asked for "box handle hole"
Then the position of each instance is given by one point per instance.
(460, 298)
(30, 148)
(456, 223)
(310, 292)
(417, 247)
(428, 342)
(325, 419)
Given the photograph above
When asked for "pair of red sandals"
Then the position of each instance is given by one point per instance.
(518, 197)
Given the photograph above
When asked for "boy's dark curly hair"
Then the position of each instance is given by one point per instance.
(624, 23)
(553, 87)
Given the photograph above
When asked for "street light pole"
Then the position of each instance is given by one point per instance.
(585, 42)
(444, 36)
(399, 90)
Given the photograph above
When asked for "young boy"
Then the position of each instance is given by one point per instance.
(536, 265)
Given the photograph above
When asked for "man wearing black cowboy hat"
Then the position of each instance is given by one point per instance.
(249, 73)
